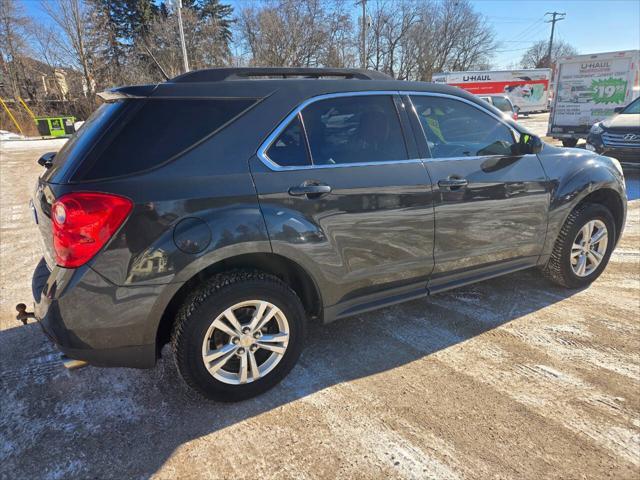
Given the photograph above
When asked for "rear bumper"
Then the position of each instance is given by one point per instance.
(90, 319)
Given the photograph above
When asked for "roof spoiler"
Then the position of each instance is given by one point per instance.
(223, 74)
(120, 93)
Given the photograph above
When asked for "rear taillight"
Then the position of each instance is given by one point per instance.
(515, 115)
(83, 222)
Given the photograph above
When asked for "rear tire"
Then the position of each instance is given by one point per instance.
(570, 142)
(238, 335)
(578, 257)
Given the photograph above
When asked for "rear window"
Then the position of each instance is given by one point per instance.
(138, 134)
(502, 104)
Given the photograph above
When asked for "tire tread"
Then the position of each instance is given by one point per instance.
(553, 270)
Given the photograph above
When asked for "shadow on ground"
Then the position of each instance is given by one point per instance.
(122, 423)
(632, 179)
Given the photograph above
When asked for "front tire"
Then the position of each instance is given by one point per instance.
(570, 142)
(583, 247)
(238, 335)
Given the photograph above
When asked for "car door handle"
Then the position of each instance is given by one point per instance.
(311, 190)
(453, 183)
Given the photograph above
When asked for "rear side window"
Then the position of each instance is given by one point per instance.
(290, 149)
(144, 133)
(357, 129)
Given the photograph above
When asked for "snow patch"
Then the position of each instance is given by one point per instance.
(32, 144)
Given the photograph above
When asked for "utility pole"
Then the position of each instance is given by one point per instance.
(363, 39)
(185, 61)
(556, 17)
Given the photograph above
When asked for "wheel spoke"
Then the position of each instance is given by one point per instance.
(597, 255)
(255, 371)
(216, 359)
(586, 231)
(231, 317)
(599, 236)
(582, 265)
(258, 315)
(222, 326)
(274, 338)
(266, 318)
(576, 250)
(279, 349)
(242, 373)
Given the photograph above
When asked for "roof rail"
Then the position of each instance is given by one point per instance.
(223, 74)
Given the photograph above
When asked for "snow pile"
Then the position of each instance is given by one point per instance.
(31, 143)
(5, 135)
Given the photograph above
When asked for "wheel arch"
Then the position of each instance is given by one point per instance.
(284, 268)
(610, 199)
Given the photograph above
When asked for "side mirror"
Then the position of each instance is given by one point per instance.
(46, 160)
(618, 109)
(529, 144)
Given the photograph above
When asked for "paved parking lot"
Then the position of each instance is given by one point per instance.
(510, 378)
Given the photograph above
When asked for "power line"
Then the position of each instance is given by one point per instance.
(528, 29)
(513, 50)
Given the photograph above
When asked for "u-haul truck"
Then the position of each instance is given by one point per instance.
(528, 89)
(588, 88)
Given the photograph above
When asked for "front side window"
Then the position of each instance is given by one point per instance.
(456, 129)
(357, 129)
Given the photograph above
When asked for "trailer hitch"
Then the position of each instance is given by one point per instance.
(23, 315)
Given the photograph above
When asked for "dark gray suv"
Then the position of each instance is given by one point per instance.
(222, 210)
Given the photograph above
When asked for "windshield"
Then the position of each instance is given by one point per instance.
(633, 107)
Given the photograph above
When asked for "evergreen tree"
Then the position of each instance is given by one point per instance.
(219, 13)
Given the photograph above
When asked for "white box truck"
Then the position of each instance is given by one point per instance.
(588, 88)
(527, 89)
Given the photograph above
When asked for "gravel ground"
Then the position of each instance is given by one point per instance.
(509, 378)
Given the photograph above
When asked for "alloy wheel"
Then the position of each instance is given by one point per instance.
(245, 342)
(589, 247)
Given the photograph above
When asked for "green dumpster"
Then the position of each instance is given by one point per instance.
(55, 126)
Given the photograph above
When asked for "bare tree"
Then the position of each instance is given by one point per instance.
(44, 47)
(14, 26)
(451, 36)
(536, 55)
(411, 39)
(73, 18)
(391, 23)
(303, 33)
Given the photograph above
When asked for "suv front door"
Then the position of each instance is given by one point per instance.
(491, 203)
(344, 195)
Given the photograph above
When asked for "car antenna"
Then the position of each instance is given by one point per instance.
(164, 74)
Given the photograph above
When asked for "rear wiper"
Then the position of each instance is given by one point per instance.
(46, 160)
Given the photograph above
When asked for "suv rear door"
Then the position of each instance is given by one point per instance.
(345, 195)
(491, 204)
